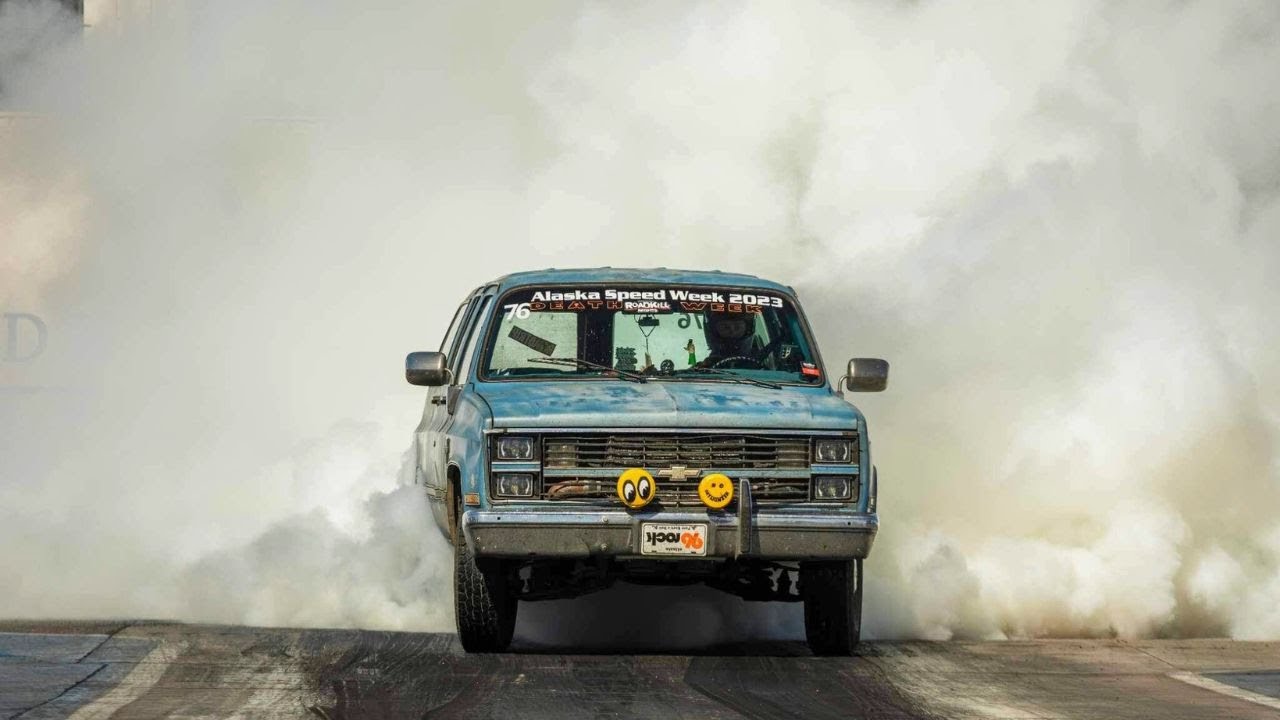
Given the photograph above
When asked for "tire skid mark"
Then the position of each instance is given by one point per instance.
(947, 681)
(101, 665)
(389, 675)
(223, 673)
(1048, 679)
(583, 686)
(38, 710)
(622, 687)
(766, 688)
(480, 690)
(167, 670)
(144, 675)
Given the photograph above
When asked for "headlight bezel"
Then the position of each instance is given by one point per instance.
(818, 482)
(843, 453)
(498, 479)
(505, 446)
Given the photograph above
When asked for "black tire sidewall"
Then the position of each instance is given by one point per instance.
(832, 592)
(484, 604)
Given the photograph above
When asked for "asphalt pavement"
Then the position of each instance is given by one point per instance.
(162, 670)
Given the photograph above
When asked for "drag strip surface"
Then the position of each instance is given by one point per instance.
(153, 670)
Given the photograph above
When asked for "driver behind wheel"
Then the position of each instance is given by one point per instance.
(729, 335)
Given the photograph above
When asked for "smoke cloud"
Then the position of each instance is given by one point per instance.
(1057, 221)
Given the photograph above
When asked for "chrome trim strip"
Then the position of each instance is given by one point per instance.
(763, 519)
(834, 469)
(526, 466)
(669, 430)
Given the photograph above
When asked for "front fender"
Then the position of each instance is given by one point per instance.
(467, 445)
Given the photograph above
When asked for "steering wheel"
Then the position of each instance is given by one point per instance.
(754, 362)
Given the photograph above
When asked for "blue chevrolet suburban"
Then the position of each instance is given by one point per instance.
(584, 427)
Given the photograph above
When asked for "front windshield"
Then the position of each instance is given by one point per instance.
(643, 332)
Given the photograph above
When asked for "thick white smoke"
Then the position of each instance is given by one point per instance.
(1057, 220)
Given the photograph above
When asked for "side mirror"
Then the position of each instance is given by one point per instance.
(426, 368)
(867, 375)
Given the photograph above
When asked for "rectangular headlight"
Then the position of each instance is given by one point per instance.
(515, 447)
(832, 487)
(513, 484)
(832, 450)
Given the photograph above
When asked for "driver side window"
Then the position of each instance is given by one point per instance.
(446, 345)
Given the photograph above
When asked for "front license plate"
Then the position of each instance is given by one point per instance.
(658, 539)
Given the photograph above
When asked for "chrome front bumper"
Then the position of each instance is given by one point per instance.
(776, 535)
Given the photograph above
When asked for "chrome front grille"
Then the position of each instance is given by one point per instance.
(723, 452)
(671, 493)
(585, 467)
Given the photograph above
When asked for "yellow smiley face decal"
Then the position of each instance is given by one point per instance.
(636, 488)
(715, 490)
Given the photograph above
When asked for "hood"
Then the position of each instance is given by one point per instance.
(616, 403)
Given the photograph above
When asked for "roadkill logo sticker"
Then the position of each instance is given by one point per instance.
(646, 306)
(658, 539)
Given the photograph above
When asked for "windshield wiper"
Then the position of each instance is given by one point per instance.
(735, 376)
(576, 362)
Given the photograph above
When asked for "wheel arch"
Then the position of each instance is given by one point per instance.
(453, 501)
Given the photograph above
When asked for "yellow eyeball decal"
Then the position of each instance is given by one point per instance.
(715, 490)
(636, 488)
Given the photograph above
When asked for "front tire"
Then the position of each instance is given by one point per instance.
(832, 593)
(484, 602)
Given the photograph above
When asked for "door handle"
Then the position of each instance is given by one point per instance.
(439, 399)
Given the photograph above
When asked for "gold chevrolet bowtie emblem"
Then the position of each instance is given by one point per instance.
(679, 473)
